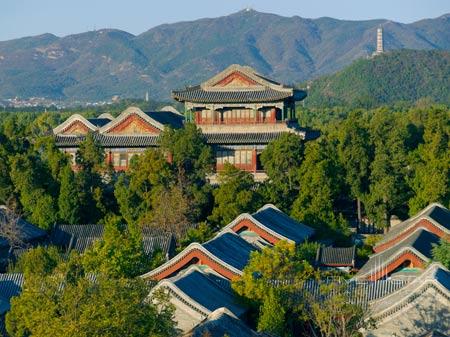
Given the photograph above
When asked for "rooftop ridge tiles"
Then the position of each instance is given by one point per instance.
(385, 304)
(70, 120)
(411, 222)
(127, 112)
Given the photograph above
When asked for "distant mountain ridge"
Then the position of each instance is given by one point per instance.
(99, 64)
(401, 75)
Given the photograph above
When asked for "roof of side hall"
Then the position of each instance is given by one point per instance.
(420, 243)
(437, 214)
(222, 88)
(276, 223)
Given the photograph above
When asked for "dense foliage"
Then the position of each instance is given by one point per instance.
(405, 75)
(367, 166)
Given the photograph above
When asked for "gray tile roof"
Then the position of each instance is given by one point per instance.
(274, 219)
(231, 249)
(170, 118)
(10, 286)
(82, 237)
(110, 140)
(77, 237)
(222, 323)
(336, 256)
(435, 275)
(242, 138)
(204, 289)
(435, 212)
(421, 241)
(198, 94)
(27, 231)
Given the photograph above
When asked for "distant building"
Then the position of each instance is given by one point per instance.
(380, 43)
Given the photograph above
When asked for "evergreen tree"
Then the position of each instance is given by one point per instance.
(281, 160)
(119, 253)
(191, 160)
(321, 184)
(388, 190)
(431, 163)
(68, 202)
(141, 185)
(355, 154)
(235, 195)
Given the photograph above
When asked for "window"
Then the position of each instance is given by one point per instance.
(123, 159)
(116, 159)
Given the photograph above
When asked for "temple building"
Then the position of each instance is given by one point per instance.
(240, 112)
(122, 137)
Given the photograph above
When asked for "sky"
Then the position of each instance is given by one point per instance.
(19, 18)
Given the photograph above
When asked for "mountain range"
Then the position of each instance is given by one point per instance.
(99, 64)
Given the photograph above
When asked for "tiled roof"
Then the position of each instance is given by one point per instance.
(336, 256)
(242, 138)
(27, 231)
(435, 212)
(198, 94)
(10, 285)
(78, 237)
(420, 242)
(274, 219)
(203, 288)
(173, 119)
(435, 274)
(222, 322)
(153, 240)
(231, 249)
(110, 140)
(81, 237)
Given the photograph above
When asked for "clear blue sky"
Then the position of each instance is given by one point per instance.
(20, 18)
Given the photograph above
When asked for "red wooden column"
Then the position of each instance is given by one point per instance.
(254, 160)
(273, 115)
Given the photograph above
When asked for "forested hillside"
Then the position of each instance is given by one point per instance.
(99, 64)
(397, 76)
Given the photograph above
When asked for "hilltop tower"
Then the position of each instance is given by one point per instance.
(380, 44)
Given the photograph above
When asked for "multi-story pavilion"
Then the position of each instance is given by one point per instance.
(240, 112)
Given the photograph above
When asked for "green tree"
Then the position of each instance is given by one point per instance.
(272, 315)
(388, 190)
(431, 163)
(279, 262)
(32, 183)
(68, 203)
(441, 252)
(37, 261)
(93, 200)
(321, 185)
(332, 313)
(281, 160)
(140, 186)
(235, 195)
(355, 154)
(119, 253)
(191, 160)
(84, 307)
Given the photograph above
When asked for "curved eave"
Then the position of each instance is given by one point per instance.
(183, 96)
(299, 95)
